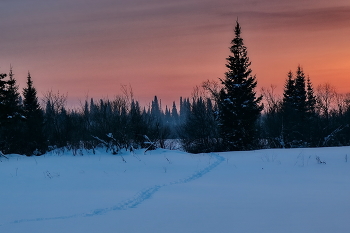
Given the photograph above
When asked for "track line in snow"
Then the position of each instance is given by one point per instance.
(136, 200)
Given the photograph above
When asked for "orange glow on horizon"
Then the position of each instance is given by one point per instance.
(168, 48)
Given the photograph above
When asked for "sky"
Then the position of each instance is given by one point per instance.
(89, 49)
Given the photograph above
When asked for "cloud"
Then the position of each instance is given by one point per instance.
(327, 18)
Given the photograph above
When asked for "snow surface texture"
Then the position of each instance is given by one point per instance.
(280, 190)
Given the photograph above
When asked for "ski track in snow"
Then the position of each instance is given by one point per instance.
(136, 200)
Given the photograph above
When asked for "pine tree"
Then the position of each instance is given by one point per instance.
(300, 93)
(239, 108)
(174, 113)
(33, 135)
(310, 98)
(288, 109)
(13, 122)
(296, 108)
(3, 114)
(312, 126)
(288, 95)
(3, 93)
(12, 99)
(156, 110)
(137, 125)
(199, 133)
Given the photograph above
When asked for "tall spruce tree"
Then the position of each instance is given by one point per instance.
(33, 135)
(239, 108)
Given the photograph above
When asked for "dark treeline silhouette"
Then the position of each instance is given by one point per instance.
(219, 116)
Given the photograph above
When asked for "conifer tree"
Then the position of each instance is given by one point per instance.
(137, 125)
(239, 108)
(13, 119)
(288, 95)
(3, 114)
(12, 100)
(174, 113)
(33, 135)
(310, 98)
(300, 93)
(3, 93)
(199, 133)
(311, 117)
(288, 108)
(298, 103)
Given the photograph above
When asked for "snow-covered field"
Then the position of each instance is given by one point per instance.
(279, 190)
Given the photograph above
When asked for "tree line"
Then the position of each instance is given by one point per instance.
(221, 115)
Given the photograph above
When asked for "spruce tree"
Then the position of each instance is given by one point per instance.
(239, 108)
(288, 95)
(3, 91)
(310, 99)
(288, 108)
(12, 99)
(12, 128)
(3, 114)
(174, 114)
(298, 102)
(311, 117)
(300, 93)
(198, 133)
(33, 135)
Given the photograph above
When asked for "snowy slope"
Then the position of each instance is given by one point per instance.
(281, 190)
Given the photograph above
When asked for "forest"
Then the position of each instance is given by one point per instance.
(221, 115)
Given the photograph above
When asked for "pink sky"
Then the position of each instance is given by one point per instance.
(165, 48)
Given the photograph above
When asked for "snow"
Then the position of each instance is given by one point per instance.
(275, 190)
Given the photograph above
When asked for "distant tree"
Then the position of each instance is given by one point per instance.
(137, 125)
(239, 108)
(174, 112)
(54, 117)
(156, 110)
(272, 127)
(330, 119)
(199, 132)
(326, 95)
(158, 130)
(185, 107)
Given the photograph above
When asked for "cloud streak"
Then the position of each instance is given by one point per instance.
(330, 18)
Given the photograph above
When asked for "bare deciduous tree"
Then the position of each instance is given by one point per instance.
(326, 99)
(272, 100)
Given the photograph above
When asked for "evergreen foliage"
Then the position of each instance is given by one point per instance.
(12, 122)
(33, 135)
(199, 131)
(298, 110)
(239, 108)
